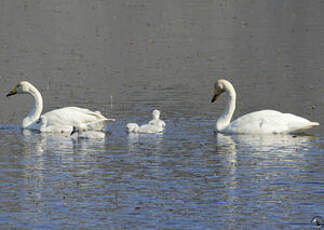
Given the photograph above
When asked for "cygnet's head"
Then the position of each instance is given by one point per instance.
(22, 87)
(156, 114)
(219, 88)
(132, 128)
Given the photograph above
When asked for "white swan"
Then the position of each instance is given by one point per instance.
(58, 120)
(259, 122)
(154, 126)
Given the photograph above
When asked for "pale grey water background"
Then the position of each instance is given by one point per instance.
(166, 55)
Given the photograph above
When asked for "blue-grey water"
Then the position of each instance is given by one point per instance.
(126, 58)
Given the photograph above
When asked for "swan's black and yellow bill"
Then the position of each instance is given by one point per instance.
(216, 94)
(214, 97)
(12, 92)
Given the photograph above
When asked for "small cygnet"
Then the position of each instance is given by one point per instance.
(154, 126)
(81, 133)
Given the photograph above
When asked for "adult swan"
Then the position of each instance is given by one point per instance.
(58, 120)
(259, 122)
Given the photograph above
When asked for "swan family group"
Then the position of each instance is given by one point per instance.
(92, 124)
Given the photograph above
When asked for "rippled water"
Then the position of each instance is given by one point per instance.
(187, 178)
(126, 58)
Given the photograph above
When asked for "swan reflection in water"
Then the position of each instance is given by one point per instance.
(44, 156)
(49, 159)
(266, 167)
(265, 143)
(263, 149)
(38, 143)
(150, 142)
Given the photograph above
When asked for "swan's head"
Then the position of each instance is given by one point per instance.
(22, 87)
(156, 114)
(219, 89)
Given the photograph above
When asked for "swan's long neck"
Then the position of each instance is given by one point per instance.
(225, 119)
(35, 113)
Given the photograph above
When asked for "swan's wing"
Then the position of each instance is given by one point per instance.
(98, 125)
(268, 121)
(256, 122)
(73, 116)
(298, 124)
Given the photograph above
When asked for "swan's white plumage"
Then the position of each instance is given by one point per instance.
(259, 122)
(268, 121)
(65, 118)
(58, 120)
(154, 126)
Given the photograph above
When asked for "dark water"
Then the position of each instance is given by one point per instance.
(126, 58)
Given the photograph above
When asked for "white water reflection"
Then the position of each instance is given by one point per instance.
(40, 142)
(54, 168)
(179, 171)
(263, 172)
(266, 143)
(144, 141)
(263, 152)
(37, 143)
(39, 150)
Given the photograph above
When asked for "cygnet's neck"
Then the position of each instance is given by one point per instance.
(156, 115)
(225, 119)
(35, 113)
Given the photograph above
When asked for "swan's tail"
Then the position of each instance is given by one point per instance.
(305, 127)
(312, 125)
(315, 124)
(132, 128)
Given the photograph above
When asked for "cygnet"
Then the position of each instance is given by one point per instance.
(81, 133)
(154, 126)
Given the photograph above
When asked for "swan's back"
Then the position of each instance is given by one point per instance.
(72, 116)
(269, 121)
